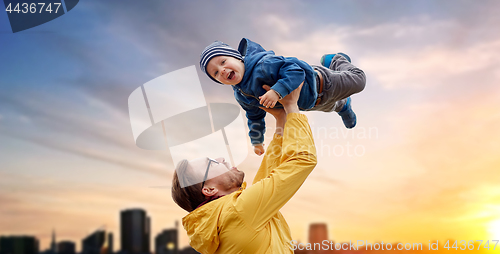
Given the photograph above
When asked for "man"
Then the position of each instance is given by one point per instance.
(225, 216)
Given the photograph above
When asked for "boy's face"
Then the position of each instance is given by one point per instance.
(226, 69)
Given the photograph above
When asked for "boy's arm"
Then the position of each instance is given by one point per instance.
(290, 74)
(256, 123)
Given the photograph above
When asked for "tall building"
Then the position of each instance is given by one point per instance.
(66, 247)
(53, 245)
(135, 231)
(110, 249)
(167, 242)
(317, 234)
(18, 245)
(98, 243)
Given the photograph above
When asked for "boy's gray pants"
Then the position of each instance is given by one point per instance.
(340, 81)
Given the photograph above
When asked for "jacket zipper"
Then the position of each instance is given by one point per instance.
(248, 95)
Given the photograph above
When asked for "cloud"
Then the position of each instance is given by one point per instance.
(153, 168)
(433, 66)
(411, 54)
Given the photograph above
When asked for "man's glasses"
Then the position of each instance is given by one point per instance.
(208, 167)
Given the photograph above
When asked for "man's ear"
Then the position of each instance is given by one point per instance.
(209, 191)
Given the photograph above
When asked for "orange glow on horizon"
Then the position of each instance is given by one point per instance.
(494, 229)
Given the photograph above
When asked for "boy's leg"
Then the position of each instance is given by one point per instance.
(326, 59)
(341, 80)
(348, 116)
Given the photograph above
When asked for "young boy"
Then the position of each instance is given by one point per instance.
(326, 88)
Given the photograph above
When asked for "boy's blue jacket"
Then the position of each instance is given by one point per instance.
(283, 74)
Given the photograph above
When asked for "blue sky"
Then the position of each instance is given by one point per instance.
(67, 153)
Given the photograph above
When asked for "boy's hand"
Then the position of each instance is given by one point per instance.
(259, 149)
(269, 99)
(289, 102)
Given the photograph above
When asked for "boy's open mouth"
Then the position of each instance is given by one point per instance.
(231, 75)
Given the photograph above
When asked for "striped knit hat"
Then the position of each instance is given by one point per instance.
(217, 48)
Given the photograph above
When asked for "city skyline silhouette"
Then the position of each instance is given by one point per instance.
(135, 239)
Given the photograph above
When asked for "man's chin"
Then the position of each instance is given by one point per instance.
(242, 179)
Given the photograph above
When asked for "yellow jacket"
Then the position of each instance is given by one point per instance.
(248, 220)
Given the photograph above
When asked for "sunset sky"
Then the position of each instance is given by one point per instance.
(422, 163)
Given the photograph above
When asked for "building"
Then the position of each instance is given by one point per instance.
(167, 241)
(66, 247)
(53, 245)
(317, 234)
(98, 243)
(18, 245)
(110, 245)
(135, 232)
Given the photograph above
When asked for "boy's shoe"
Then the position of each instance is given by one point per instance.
(348, 116)
(326, 60)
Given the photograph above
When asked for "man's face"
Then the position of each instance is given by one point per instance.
(220, 173)
(226, 69)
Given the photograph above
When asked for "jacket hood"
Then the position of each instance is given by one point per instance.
(249, 47)
(252, 53)
(202, 224)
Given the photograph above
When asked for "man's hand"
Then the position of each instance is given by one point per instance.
(259, 149)
(289, 102)
(276, 112)
(269, 99)
(280, 116)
